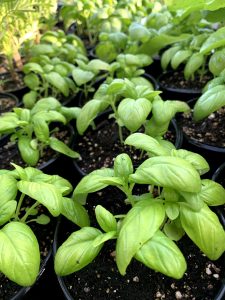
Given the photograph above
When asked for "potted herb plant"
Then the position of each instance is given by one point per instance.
(146, 230)
(31, 200)
(33, 131)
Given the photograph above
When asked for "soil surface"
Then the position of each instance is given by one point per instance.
(210, 131)
(7, 84)
(98, 148)
(176, 80)
(9, 151)
(6, 103)
(101, 279)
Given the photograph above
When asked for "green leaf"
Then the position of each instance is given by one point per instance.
(75, 212)
(41, 129)
(29, 155)
(29, 99)
(217, 62)
(145, 214)
(198, 161)
(97, 64)
(7, 211)
(46, 104)
(138, 32)
(193, 200)
(180, 57)
(32, 81)
(162, 255)
(212, 193)
(172, 210)
(123, 166)
(92, 183)
(174, 230)
(133, 113)
(88, 113)
(210, 101)
(205, 230)
(215, 40)
(168, 55)
(20, 257)
(103, 238)
(61, 147)
(32, 67)
(58, 82)
(166, 171)
(8, 187)
(81, 76)
(42, 49)
(105, 219)
(45, 193)
(195, 61)
(8, 122)
(42, 219)
(77, 251)
(147, 143)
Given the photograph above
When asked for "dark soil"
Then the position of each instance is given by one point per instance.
(10, 153)
(98, 148)
(44, 234)
(7, 103)
(7, 84)
(176, 80)
(101, 279)
(210, 131)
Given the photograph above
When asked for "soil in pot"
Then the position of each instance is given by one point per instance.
(206, 137)
(44, 234)
(100, 146)
(7, 102)
(101, 279)
(174, 86)
(16, 87)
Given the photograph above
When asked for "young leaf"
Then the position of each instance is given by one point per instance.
(162, 255)
(193, 64)
(27, 152)
(172, 210)
(75, 212)
(61, 147)
(29, 99)
(174, 230)
(81, 76)
(20, 257)
(43, 219)
(133, 113)
(58, 82)
(215, 40)
(123, 166)
(105, 219)
(77, 251)
(145, 214)
(166, 171)
(204, 229)
(32, 81)
(103, 238)
(217, 62)
(32, 67)
(167, 56)
(179, 57)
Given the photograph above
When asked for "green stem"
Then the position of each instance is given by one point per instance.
(19, 206)
(28, 211)
(119, 127)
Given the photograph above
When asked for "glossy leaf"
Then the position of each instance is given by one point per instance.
(75, 212)
(139, 225)
(174, 230)
(133, 113)
(166, 171)
(29, 155)
(103, 238)
(32, 81)
(205, 230)
(147, 143)
(167, 56)
(81, 76)
(195, 61)
(123, 166)
(217, 62)
(77, 251)
(7, 211)
(8, 187)
(212, 193)
(105, 219)
(45, 193)
(32, 67)
(162, 255)
(61, 147)
(209, 102)
(20, 257)
(215, 40)
(46, 104)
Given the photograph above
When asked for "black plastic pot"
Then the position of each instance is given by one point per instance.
(14, 101)
(154, 68)
(171, 93)
(214, 155)
(100, 122)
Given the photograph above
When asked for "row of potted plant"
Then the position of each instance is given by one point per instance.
(157, 194)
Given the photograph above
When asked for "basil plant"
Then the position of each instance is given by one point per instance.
(134, 103)
(177, 204)
(23, 192)
(32, 129)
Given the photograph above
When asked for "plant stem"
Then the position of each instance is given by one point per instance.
(19, 206)
(28, 211)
